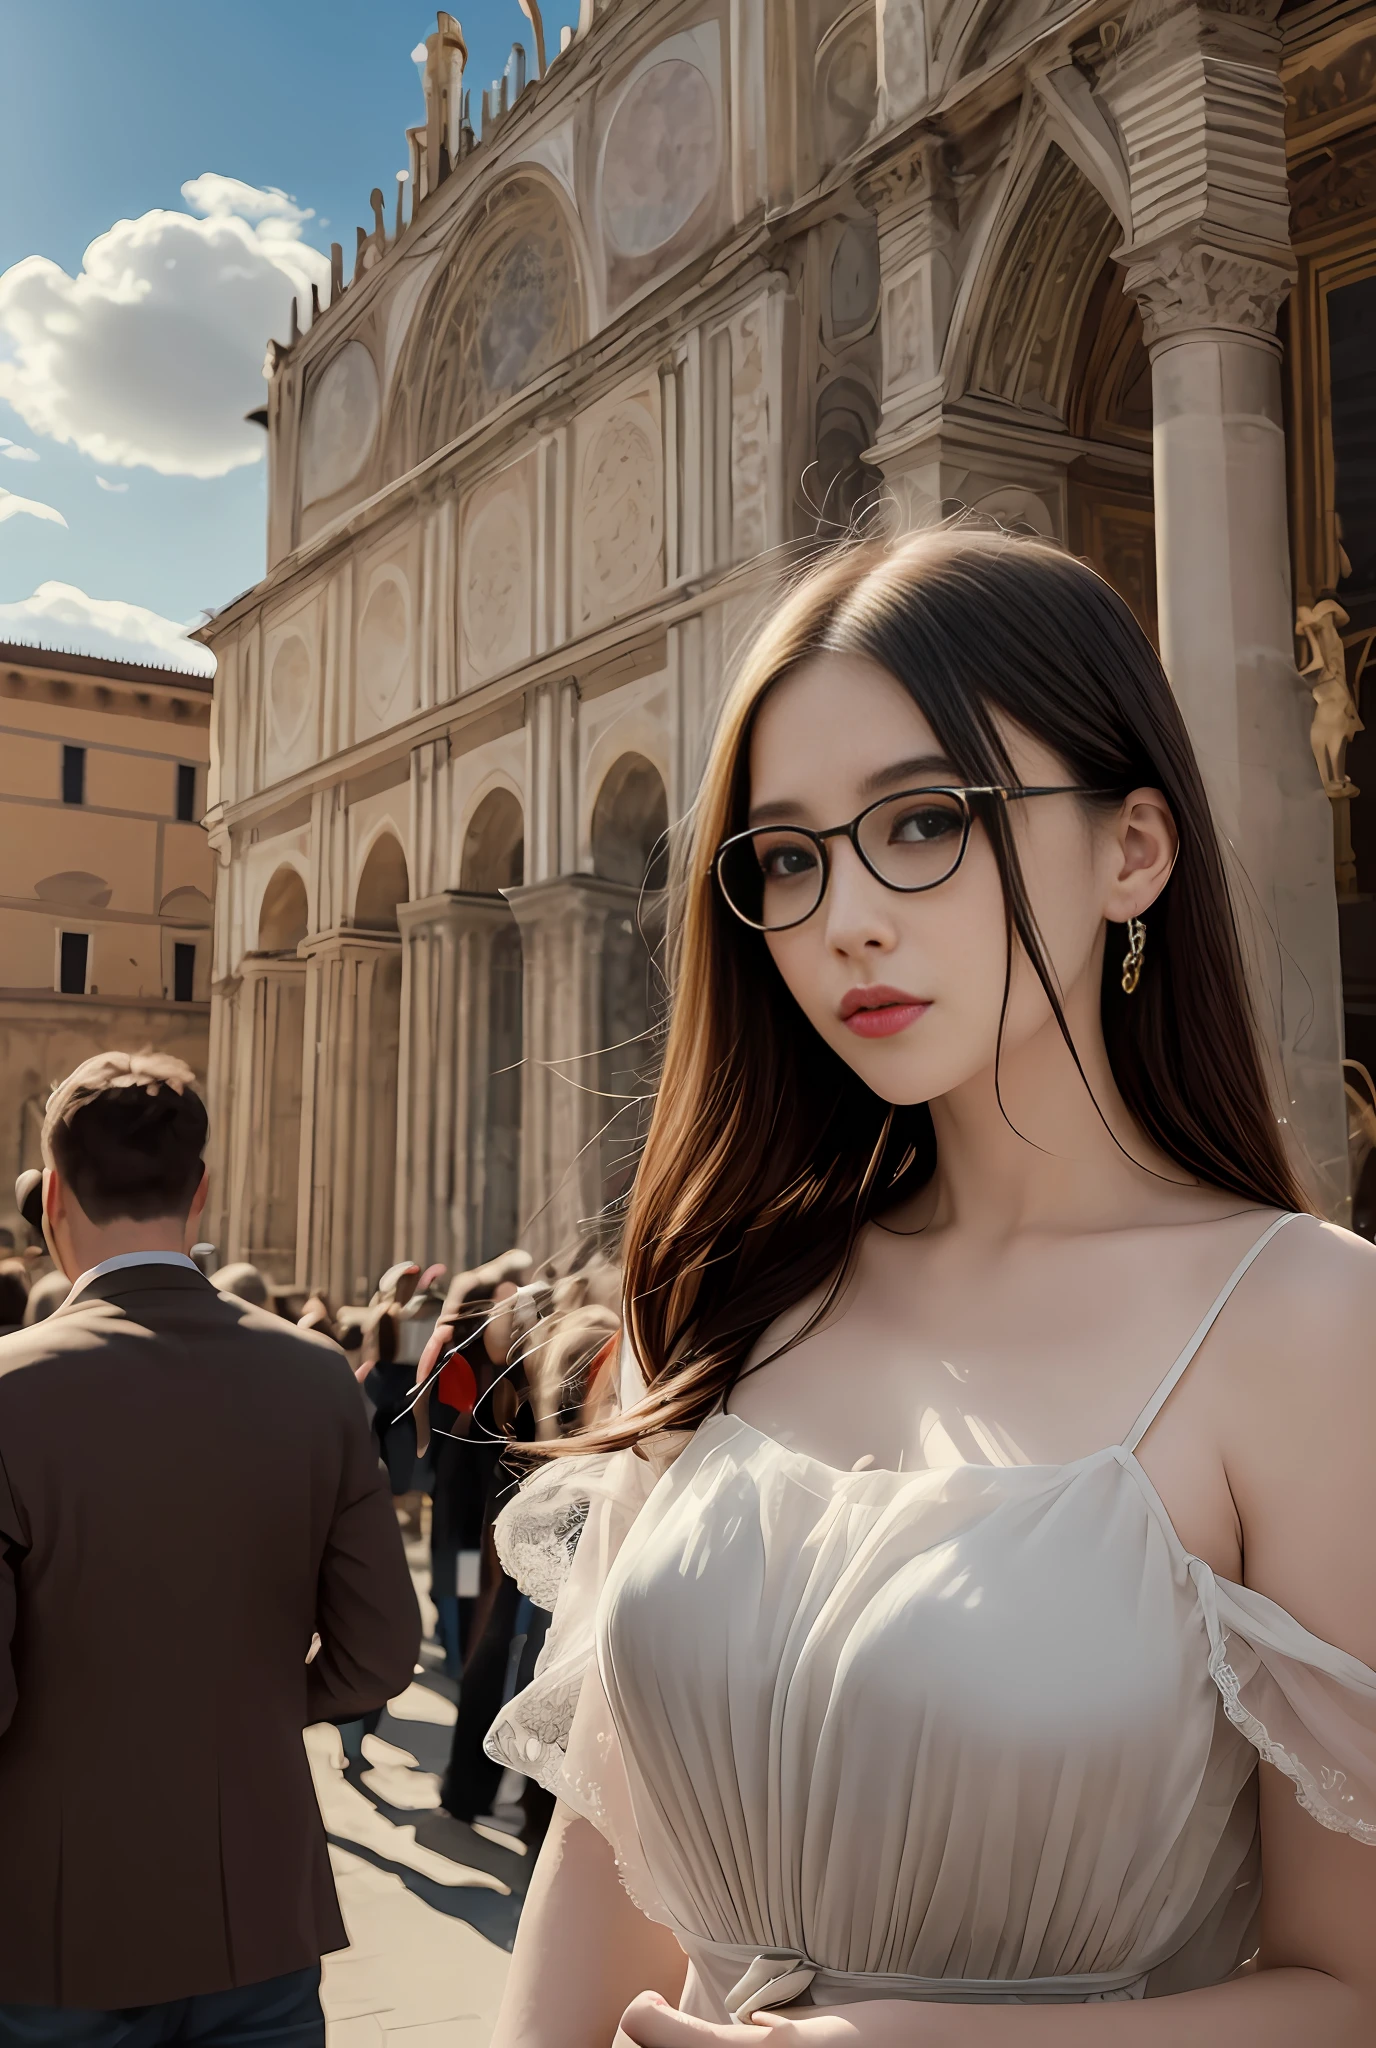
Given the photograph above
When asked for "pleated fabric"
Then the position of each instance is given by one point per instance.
(979, 1732)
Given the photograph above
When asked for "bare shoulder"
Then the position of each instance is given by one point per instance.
(1300, 1436)
(1308, 1313)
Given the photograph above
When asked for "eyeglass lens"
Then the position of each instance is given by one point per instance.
(774, 877)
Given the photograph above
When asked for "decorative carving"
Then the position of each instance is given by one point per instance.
(1046, 271)
(1335, 707)
(340, 420)
(289, 691)
(496, 586)
(621, 512)
(662, 157)
(384, 638)
(847, 84)
(749, 436)
(854, 280)
(1315, 96)
(1186, 283)
(1340, 181)
(506, 311)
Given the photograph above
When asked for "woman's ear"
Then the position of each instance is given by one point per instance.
(1147, 842)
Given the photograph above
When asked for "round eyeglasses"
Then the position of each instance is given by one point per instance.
(774, 876)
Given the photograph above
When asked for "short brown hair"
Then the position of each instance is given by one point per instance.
(126, 1132)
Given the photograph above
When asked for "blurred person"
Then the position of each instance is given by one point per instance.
(14, 1295)
(243, 1281)
(467, 1348)
(318, 1315)
(45, 1296)
(201, 1915)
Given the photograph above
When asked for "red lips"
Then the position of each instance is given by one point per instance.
(879, 1012)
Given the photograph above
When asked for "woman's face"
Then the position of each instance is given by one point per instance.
(908, 988)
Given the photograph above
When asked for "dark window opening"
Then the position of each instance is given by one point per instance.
(74, 775)
(183, 974)
(186, 793)
(76, 947)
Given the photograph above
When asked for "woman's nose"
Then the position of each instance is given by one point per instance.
(856, 907)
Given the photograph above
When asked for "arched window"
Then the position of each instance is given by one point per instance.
(494, 845)
(283, 919)
(630, 824)
(381, 887)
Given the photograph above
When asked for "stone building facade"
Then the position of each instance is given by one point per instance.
(105, 877)
(721, 273)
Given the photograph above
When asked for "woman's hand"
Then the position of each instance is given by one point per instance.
(648, 2022)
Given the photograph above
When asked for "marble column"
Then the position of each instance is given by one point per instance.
(221, 1106)
(1194, 89)
(458, 1131)
(564, 932)
(346, 1200)
(266, 1146)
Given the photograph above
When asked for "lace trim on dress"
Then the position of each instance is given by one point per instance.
(536, 1542)
(1315, 1795)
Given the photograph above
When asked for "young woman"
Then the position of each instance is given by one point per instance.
(994, 1495)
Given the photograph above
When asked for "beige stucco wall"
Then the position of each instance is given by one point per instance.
(106, 867)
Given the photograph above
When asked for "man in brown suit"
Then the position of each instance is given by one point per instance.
(189, 1492)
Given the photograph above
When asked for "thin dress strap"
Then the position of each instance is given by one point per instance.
(1177, 1371)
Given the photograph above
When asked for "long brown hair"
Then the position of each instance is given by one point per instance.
(766, 1154)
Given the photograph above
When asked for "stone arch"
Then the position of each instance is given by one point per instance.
(383, 884)
(1034, 281)
(506, 309)
(284, 914)
(494, 844)
(843, 483)
(629, 846)
(630, 824)
(1109, 501)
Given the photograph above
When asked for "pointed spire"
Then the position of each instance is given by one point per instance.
(336, 270)
(531, 11)
(295, 334)
(402, 177)
(379, 219)
(315, 303)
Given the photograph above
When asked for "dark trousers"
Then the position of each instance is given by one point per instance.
(283, 2013)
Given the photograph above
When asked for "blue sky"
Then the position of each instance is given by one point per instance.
(106, 113)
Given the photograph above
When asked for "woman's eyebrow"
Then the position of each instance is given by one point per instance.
(916, 771)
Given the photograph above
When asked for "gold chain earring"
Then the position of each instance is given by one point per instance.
(1132, 959)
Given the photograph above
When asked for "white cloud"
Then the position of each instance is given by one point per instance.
(153, 353)
(60, 615)
(12, 506)
(222, 198)
(106, 485)
(13, 452)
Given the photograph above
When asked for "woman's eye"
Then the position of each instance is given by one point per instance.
(923, 823)
(786, 863)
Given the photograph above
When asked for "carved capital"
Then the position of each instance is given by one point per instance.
(1187, 285)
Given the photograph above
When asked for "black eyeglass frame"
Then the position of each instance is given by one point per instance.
(962, 794)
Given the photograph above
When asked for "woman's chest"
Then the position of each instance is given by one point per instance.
(969, 1607)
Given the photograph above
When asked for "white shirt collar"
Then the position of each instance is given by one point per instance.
(123, 1259)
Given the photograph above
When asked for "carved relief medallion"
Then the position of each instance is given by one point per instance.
(661, 159)
(340, 420)
(383, 644)
(496, 585)
(621, 512)
(289, 691)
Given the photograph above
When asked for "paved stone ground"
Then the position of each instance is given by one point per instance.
(431, 1904)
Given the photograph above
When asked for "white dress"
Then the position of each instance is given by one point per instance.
(978, 1733)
